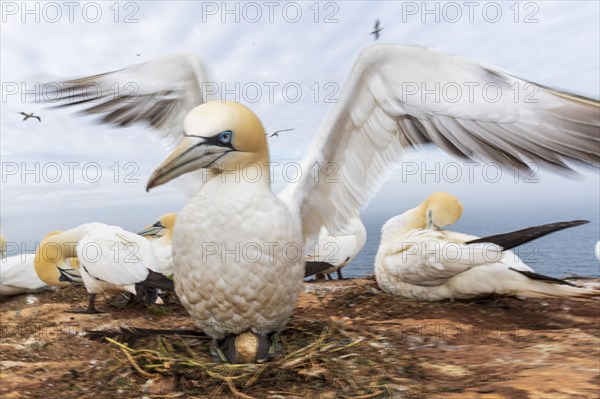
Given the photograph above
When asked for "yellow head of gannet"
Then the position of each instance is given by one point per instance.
(163, 227)
(220, 136)
(2, 246)
(74, 263)
(440, 210)
(51, 263)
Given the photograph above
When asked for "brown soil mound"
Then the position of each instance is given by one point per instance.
(346, 339)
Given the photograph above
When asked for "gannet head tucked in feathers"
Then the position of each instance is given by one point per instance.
(51, 263)
(221, 136)
(163, 227)
(440, 210)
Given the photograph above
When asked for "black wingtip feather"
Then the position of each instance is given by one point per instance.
(541, 277)
(147, 290)
(316, 267)
(519, 237)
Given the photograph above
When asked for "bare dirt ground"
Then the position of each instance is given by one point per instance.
(346, 339)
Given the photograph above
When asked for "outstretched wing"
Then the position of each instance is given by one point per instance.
(400, 97)
(157, 93)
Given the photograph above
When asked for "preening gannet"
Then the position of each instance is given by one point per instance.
(18, 275)
(111, 260)
(378, 118)
(416, 259)
(160, 235)
(330, 253)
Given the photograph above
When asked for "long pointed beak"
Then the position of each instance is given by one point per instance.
(188, 156)
(68, 275)
(151, 231)
(429, 224)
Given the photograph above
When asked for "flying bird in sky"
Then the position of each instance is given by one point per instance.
(30, 115)
(376, 30)
(276, 134)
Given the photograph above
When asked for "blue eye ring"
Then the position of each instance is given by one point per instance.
(225, 137)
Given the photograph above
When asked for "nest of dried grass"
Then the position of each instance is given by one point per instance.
(317, 359)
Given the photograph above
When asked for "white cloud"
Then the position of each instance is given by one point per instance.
(560, 50)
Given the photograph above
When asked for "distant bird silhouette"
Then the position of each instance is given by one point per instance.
(138, 55)
(30, 115)
(376, 30)
(276, 134)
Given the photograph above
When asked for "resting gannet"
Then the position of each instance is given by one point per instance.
(17, 274)
(234, 233)
(416, 259)
(111, 260)
(331, 252)
(160, 235)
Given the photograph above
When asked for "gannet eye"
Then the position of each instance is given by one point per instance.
(225, 137)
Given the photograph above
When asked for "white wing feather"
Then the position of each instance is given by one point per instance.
(335, 250)
(158, 93)
(431, 257)
(116, 256)
(377, 119)
(17, 275)
(386, 107)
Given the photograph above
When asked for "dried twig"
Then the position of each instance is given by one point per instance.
(230, 385)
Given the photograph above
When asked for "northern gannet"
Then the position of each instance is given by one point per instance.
(416, 259)
(17, 273)
(18, 276)
(30, 115)
(111, 260)
(381, 114)
(2, 246)
(330, 253)
(160, 235)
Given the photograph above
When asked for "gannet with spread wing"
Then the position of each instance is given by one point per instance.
(364, 136)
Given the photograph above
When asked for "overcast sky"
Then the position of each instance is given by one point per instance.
(306, 45)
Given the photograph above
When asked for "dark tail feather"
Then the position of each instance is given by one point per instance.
(516, 238)
(541, 277)
(130, 335)
(316, 267)
(147, 291)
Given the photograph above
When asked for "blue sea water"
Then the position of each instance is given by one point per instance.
(561, 254)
